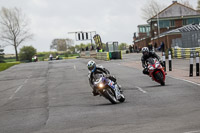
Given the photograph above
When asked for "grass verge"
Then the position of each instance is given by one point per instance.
(4, 66)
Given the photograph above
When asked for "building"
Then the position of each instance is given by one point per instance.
(174, 16)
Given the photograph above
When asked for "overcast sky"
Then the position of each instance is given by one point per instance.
(113, 20)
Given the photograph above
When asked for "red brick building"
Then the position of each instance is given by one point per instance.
(157, 30)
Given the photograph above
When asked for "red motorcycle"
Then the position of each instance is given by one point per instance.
(156, 71)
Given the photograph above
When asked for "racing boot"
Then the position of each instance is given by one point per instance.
(95, 93)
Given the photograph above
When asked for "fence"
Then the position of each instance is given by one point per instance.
(103, 56)
(183, 52)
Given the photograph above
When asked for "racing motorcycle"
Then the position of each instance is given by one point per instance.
(108, 89)
(156, 71)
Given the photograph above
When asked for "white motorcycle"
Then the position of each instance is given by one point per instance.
(108, 89)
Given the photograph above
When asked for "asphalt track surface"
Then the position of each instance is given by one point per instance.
(55, 97)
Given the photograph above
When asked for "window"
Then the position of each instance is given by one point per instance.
(144, 29)
(147, 29)
(193, 21)
(140, 29)
(164, 24)
(172, 23)
(184, 21)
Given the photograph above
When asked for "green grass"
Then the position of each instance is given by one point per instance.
(9, 60)
(4, 66)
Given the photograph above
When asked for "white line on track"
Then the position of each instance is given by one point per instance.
(18, 89)
(193, 131)
(75, 67)
(185, 80)
(140, 89)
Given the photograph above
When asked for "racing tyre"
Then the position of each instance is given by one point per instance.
(159, 76)
(122, 99)
(109, 94)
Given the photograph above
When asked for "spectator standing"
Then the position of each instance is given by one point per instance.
(51, 57)
(150, 46)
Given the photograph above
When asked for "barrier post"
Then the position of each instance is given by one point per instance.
(197, 63)
(191, 64)
(170, 61)
(163, 55)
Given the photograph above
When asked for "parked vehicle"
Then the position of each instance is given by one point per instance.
(156, 71)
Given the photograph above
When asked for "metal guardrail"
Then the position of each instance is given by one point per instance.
(184, 52)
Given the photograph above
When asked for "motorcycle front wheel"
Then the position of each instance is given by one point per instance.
(122, 99)
(110, 95)
(159, 76)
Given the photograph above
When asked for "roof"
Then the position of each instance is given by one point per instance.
(176, 10)
(187, 28)
(190, 27)
(143, 25)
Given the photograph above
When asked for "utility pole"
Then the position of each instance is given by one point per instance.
(158, 26)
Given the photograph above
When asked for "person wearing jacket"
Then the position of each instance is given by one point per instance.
(94, 71)
(147, 54)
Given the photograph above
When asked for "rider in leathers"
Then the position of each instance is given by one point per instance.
(147, 54)
(94, 72)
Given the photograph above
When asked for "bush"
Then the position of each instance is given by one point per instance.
(26, 53)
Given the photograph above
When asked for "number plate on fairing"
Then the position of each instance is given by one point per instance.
(111, 84)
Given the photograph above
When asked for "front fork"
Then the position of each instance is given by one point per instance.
(117, 91)
(115, 87)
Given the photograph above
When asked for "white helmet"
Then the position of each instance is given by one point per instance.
(91, 66)
(145, 49)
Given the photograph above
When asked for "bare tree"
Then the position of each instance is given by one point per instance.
(61, 44)
(198, 5)
(186, 3)
(151, 8)
(13, 27)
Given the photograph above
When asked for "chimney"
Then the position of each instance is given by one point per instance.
(174, 1)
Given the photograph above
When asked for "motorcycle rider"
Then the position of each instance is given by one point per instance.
(94, 70)
(147, 54)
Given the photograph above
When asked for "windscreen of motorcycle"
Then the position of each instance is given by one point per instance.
(97, 76)
(151, 61)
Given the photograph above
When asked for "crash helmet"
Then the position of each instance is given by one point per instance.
(91, 66)
(145, 51)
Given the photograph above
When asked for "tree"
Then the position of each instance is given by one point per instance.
(13, 27)
(72, 49)
(122, 46)
(186, 3)
(198, 5)
(61, 44)
(151, 8)
(27, 52)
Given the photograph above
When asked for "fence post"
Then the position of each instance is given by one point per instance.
(164, 60)
(191, 64)
(170, 61)
(197, 63)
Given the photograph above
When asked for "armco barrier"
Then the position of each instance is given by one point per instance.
(103, 56)
(184, 52)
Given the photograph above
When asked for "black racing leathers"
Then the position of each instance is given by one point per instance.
(144, 60)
